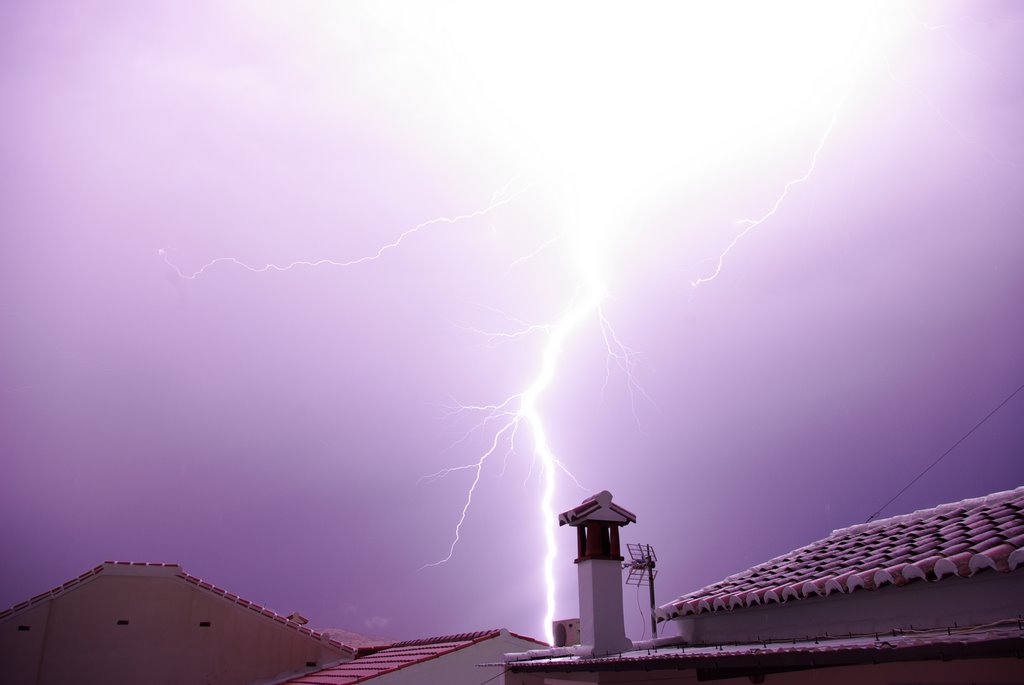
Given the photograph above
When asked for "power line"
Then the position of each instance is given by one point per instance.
(643, 619)
(943, 456)
(503, 672)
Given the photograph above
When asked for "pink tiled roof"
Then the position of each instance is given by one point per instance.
(998, 641)
(396, 656)
(175, 571)
(958, 539)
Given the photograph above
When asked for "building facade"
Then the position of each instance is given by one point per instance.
(934, 596)
(126, 622)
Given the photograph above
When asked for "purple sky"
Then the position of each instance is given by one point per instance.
(269, 430)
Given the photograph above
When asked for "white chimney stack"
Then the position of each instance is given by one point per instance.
(599, 567)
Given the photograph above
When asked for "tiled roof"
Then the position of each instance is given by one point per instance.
(958, 539)
(173, 570)
(396, 656)
(995, 641)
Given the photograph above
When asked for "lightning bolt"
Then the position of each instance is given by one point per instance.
(751, 224)
(522, 410)
(499, 199)
(518, 411)
(506, 422)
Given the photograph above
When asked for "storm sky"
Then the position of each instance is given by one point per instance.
(165, 397)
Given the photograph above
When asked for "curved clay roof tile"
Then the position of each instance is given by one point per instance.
(1016, 559)
(959, 539)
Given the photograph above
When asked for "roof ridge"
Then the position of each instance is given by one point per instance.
(969, 503)
(53, 592)
(201, 584)
(439, 639)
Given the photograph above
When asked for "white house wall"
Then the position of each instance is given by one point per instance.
(975, 671)
(977, 600)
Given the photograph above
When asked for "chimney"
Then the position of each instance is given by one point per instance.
(566, 632)
(599, 568)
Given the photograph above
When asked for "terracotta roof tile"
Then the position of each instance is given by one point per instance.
(984, 534)
(396, 656)
(1000, 641)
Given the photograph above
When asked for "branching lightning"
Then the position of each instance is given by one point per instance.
(523, 410)
(520, 410)
(519, 416)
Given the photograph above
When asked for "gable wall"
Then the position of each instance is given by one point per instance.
(460, 667)
(75, 637)
(21, 650)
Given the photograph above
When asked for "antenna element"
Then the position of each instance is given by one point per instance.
(642, 572)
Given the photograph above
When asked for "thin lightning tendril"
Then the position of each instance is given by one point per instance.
(941, 116)
(477, 468)
(499, 199)
(543, 246)
(751, 224)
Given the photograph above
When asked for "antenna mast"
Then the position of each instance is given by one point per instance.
(641, 571)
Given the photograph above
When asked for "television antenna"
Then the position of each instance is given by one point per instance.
(642, 572)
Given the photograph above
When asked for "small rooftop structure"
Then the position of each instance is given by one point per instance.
(599, 571)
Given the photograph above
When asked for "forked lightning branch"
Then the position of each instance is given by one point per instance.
(806, 96)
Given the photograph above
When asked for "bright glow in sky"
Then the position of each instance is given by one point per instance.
(617, 101)
(373, 214)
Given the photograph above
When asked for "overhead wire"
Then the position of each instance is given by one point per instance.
(944, 454)
(643, 619)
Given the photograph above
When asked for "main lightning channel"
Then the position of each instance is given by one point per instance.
(522, 410)
(585, 309)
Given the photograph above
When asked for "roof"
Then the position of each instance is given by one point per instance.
(597, 507)
(399, 655)
(961, 539)
(357, 640)
(718, 661)
(173, 571)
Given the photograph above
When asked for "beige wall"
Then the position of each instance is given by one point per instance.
(75, 637)
(976, 671)
(21, 650)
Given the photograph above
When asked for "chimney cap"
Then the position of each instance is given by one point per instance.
(597, 507)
